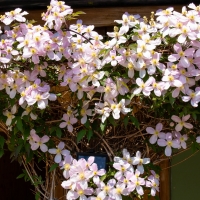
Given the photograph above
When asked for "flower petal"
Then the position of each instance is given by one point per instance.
(168, 151)
(44, 148)
(58, 158)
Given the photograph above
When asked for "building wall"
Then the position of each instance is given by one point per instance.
(185, 176)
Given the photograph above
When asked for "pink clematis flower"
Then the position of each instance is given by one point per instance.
(154, 175)
(113, 59)
(106, 189)
(40, 98)
(128, 21)
(122, 167)
(145, 88)
(103, 110)
(127, 179)
(137, 182)
(198, 139)
(30, 137)
(96, 172)
(193, 97)
(39, 142)
(118, 37)
(154, 185)
(168, 142)
(80, 192)
(68, 121)
(156, 133)
(10, 115)
(170, 80)
(68, 185)
(119, 190)
(80, 171)
(181, 122)
(59, 151)
(127, 157)
(85, 112)
(14, 15)
(140, 161)
(181, 55)
(66, 165)
(182, 139)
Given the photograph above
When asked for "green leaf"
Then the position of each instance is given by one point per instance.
(171, 99)
(30, 156)
(157, 198)
(19, 124)
(2, 140)
(103, 177)
(58, 132)
(27, 148)
(80, 135)
(54, 166)
(20, 176)
(1, 152)
(80, 12)
(52, 129)
(194, 116)
(89, 134)
(126, 119)
(39, 129)
(15, 130)
(112, 121)
(26, 133)
(103, 126)
(195, 146)
(17, 150)
(37, 196)
(87, 124)
(135, 121)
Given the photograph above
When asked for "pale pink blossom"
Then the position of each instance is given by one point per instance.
(66, 165)
(198, 139)
(30, 137)
(182, 55)
(68, 121)
(154, 185)
(106, 188)
(14, 15)
(145, 88)
(168, 142)
(10, 115)
(137, 160)
(122, 168)
(181, 122)
(59, 151)
(182, 139)
(39, 142)
(80, 192)
(137, 183)
(119, 190)
(96, 172)
(156, 133)
(193, 97)
(85, 112)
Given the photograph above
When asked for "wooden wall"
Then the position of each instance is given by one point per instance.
(104, 16)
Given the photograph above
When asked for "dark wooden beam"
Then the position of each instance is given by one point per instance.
(165, 180)
(103, 16)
